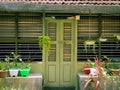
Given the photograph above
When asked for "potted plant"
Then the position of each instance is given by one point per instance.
(14, 67)
(89, 43)
(44, 42)
(86, 69)
(88, 66)
(92, 81)
(114, 69)
(102, 39)
(24, 69)
(3, 69)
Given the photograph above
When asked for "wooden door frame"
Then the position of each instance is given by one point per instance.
(74, 31)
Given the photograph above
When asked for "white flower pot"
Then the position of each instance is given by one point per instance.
(13, 72)
(93, 72)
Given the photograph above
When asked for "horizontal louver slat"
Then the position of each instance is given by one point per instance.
(6, 49)
(20, 28)
(109, 26)
(29, 27)
(87, 29)
(30, 51)
(7, 27)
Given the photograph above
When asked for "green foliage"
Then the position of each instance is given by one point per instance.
(114, 66)
(117, 36)
(24, 65)
(4, 66)
(10, 88)
(15, 61)
(44, 42)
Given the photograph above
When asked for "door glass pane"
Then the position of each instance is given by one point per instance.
(67, 52)
(67, 31)
(52, 53)
(52, 30)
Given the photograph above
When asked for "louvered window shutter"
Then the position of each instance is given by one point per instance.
(111, 25)
(19, 32)
(87, 30)
(7, 34)
(29, 28)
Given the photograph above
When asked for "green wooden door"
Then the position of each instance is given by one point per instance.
(59, 64)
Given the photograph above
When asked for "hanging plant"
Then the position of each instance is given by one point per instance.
(44, 42)
(102, 39)
(88, 44)
(117, 36)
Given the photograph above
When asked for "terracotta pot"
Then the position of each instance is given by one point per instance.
(3, 74)
(115, 72)
(86, 69)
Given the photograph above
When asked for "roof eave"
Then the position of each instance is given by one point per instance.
(53, 8)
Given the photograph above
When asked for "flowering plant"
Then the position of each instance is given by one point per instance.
(100, 73)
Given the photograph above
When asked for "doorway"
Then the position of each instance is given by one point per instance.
(59, 65)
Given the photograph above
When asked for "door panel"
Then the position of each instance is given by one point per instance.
(66, 63)
(59, 64)
(66, 73)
